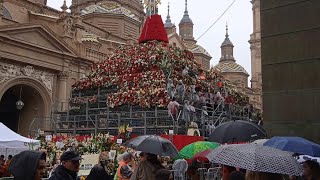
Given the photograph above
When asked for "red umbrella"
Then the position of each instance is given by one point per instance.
(201, 156)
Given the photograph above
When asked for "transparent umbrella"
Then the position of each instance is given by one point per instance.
(256, 158)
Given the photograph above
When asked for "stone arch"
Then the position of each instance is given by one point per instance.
(37, 85)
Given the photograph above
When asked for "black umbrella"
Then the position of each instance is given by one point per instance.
(153, 144)
(237, 131)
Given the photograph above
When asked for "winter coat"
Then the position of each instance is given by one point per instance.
(98, 172)
(144, 171)
(24, 165)
(61, 173)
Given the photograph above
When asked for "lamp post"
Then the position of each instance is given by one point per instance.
(19, 103)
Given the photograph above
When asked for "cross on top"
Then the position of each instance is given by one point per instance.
(152, 6)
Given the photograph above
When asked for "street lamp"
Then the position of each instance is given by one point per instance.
(20, 104)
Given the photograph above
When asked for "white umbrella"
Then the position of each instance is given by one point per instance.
(260, 141)
(303, 158)
(256, 158)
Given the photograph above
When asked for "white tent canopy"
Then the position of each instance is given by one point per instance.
(10, 139)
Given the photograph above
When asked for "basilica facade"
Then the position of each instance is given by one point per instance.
(43, 51)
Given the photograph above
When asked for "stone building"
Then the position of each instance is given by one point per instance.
(290, 37)
(255, 42)
(43, 51)
(185, 38)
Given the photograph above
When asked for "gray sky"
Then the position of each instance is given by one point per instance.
(203, 13)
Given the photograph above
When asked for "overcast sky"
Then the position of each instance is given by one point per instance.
(203, 13)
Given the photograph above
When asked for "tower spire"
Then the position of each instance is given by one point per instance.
(168, 22)
(186, 8)
(64, 7)
(227, 31)
(186, 18)
(168, 16)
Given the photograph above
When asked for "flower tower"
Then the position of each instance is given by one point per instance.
(138, 74)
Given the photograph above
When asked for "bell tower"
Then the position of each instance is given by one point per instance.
(186, 26)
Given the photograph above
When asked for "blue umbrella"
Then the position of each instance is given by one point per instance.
(294, 144)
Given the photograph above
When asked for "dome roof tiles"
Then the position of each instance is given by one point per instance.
(230, 66)
(197, 49)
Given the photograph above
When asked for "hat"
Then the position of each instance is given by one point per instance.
(70, 155)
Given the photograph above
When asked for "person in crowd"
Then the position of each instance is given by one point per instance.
(220, 101)
(294, 178)
(6, 170)
(143, 156)
(124, 171)
(173, 108)
(2, 166)
(210, 127)
(226, 170)
(253, 175)
(147, 169)
(186, 111)
(70, 165)
(119, 160)
(163, 174)
(100, 171)
(28, 165)
(311, 170)
(236, 175)
(180, 168)
(229, 101)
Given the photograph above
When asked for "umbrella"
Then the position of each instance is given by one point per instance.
(237, 131)
(153, 144)
(260, 141)
(191, 149)
(256, 158)
(294, 144)
(202, 156)
(302, 158)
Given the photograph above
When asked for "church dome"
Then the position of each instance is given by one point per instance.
(230, 67)
(197, 49)
(112, 8)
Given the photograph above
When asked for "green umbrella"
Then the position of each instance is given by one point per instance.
(192, 149)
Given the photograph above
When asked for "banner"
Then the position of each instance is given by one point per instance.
(87, 163)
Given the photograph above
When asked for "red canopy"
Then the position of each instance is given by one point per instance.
(181, 141)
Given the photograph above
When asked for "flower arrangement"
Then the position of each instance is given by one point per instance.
(138, 75)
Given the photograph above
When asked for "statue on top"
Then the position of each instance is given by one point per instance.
(151, 6)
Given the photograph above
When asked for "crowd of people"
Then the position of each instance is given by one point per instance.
(31, 165)
(199, 108)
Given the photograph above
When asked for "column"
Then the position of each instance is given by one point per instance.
(62, 96)
(1, 10)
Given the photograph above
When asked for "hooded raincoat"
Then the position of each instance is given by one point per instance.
(24, 165)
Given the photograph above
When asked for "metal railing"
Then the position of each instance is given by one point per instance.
(151, 121)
